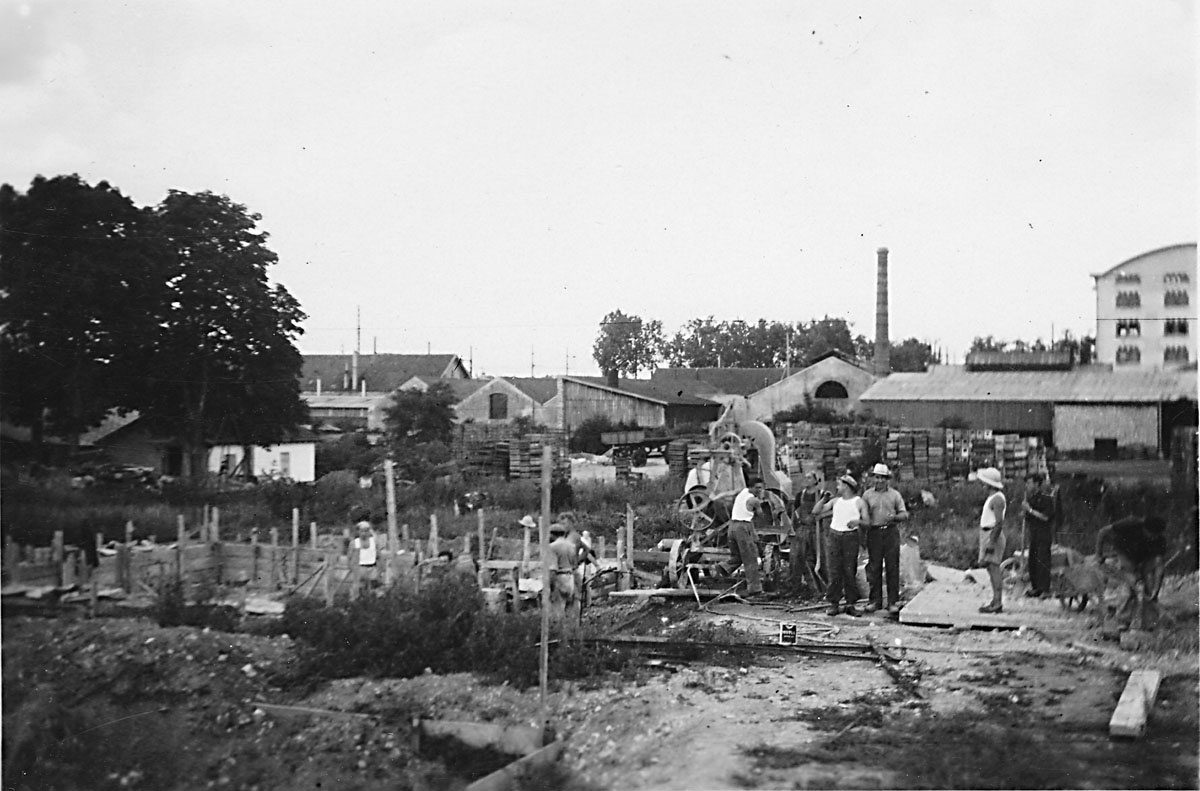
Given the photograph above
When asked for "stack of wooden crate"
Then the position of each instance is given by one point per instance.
(1012, 455)
(677, 458)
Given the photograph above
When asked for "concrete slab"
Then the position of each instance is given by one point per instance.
(957, 605)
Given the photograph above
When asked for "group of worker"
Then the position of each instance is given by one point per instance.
(866, 516)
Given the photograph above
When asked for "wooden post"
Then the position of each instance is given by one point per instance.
(404, 535)
(330, 556)
(544, 549)
(355, 570)
(433, 536)
(467, 544)
(312, 534)
(180, 543)
(491, 550)
(389, 567)
(600, 547)
(389, 469)
(622, 568)
(525, 553)
(216, 525)
(295, 547)
(253, 557)
(128, 558)
(629, 535)
(515, 581)
(274, 559)
(56, 557)
(479, 533)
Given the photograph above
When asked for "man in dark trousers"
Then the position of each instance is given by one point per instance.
(1038, 507)
(887, 510)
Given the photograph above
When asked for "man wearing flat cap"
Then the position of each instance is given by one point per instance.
(886, 507)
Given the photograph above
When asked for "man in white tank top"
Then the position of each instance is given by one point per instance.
(743, 541)
(992, 546)
(848, 512)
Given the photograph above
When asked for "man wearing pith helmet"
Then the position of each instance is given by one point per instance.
(886, 508)
(992, 545)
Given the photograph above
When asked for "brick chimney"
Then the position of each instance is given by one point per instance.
(883, 349)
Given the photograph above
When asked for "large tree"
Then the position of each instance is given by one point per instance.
(78, 288)
(627, 344)
(911, 355)
(419, 425)
(225, 363)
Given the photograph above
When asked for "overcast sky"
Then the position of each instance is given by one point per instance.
(492, 178)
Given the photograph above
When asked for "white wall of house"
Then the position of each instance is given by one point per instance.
(294, 460)
(1136, 322)
(1078, 426)
(496, 402)
(789, 392)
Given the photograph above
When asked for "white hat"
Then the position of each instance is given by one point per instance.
(881, 469)
(527, 521)
(848, 479)
(991, 477)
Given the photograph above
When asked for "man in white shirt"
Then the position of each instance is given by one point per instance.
(743, 541)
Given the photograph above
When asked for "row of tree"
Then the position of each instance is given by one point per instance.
(629, 344)
(163, 309)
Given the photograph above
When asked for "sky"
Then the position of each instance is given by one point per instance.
(491, 179)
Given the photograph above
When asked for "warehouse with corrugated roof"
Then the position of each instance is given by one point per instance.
(1089, 408)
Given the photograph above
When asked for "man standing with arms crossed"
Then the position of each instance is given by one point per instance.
(886, 508)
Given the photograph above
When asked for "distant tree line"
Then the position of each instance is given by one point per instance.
(629, 344)
(165, 309)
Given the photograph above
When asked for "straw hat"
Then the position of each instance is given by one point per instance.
(882, 470)
(991, 477)
(527, 521)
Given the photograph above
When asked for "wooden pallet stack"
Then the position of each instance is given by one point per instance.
(677, 458)
(982, 449)
(1011, 456)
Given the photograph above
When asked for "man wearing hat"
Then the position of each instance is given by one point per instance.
(886, 509)
(991, 533)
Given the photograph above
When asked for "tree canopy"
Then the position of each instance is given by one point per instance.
(166, 310)
(627, 344)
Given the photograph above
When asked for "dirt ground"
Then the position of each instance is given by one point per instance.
(119, 702)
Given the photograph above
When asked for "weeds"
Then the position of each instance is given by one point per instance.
(443, 628)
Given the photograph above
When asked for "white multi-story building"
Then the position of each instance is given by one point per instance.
(1146, 310)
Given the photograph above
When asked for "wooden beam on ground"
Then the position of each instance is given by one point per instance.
(511, 739)
(294, 712)
(1133, 709)
(667, 593)
(506, 777)
(652, 556)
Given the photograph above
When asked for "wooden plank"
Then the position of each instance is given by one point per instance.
(651, 556)
(505, 778)
(669, 593)
(295, 712)
(1133, 709)
(511, 739)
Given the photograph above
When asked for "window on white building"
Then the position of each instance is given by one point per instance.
(1128, 355)
(498, 406)
(1129, 299)
(1127, 327)
(1175, 354)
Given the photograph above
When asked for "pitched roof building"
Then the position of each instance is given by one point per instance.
(377, 373)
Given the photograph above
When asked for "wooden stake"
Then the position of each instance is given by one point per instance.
(525, 553)
(600, 547)
(479, 532)
(629, 534)
(254, 556)
(405, 536)
(296, 547)
(128, 558)
(355, 570)
(622, 567)
(274, 584)
(389, 469)
(180, 543)
(467, 544)
(393, 546)
(544, 548)
(491, 550)
(433, 536)
(312, 534)
(216, 525)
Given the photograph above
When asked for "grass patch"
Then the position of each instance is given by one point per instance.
(443, 628)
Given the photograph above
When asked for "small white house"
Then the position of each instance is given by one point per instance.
(296, 460)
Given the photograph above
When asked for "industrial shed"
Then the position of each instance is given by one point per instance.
(504, 399)
(630, 401)
(1087, 408)
(831, 381)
